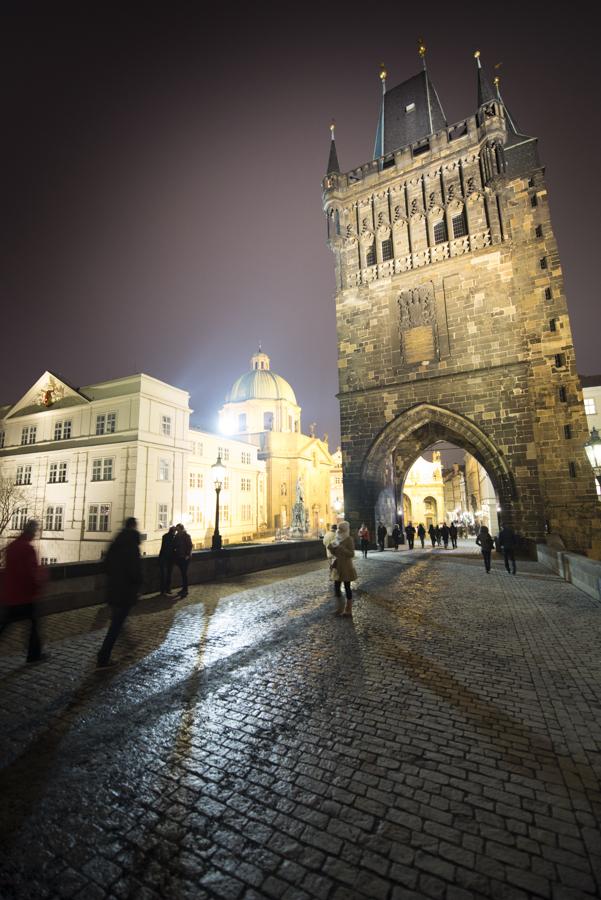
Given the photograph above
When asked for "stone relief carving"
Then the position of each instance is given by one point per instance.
(416, 306)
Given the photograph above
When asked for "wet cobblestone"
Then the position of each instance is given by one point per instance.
(442, 744)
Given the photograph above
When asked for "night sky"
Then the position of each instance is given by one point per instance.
(161, 199)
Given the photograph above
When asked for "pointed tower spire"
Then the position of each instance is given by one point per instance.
(333, 165)
(421, 49)
(379, 145)
(485, 88)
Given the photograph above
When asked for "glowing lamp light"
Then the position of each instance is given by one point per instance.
(218, 471)
(227, 425)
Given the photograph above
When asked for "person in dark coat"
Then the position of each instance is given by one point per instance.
(444, 532)
(432, 533)
(23, 580)
(438, 535)
(382, 532)
(396, 537)
(453, 535)
(421, 533)
(507, 543)
(166, 560)
(486, 543)
(124, 570)
(410, 532)
(182, 546)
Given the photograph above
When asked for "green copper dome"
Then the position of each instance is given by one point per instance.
(260, 383)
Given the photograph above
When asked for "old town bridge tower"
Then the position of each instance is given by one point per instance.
(451, 314)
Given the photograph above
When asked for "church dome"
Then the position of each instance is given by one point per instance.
(260, 384)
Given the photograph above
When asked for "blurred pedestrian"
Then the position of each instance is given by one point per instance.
(343, 549)
(486, 543)
(438, 535)
(124, 570)
(445, 534)
(23, 581)
(410, 532)
(396, 536)
(382, 532)
(166, 560)
(432, 533)
(453, 535)
(507, 543)
(182, 546)
(364, 539)
(421, 533)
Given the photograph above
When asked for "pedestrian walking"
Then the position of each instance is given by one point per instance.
(124, 570)
(182, 546)
(410, 532)
(396, 536)
(421, 533)
(432, 533)
(507, 542)
(166, 560)
(363, 534)
(23, 581)
(445, 534)
(486, 544)
(382, 532)
(453, 535)
(343, 549)
(438, 535)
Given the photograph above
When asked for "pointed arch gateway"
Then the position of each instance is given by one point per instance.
(405, 438)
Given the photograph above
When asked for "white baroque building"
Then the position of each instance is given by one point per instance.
(82, 460)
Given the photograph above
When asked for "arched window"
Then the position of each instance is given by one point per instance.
(337, 221)
(459, 225)
(283, 489)
(440, 232)
(370, 256)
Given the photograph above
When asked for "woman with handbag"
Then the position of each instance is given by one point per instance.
(343, 549)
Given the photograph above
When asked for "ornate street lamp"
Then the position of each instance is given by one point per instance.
(593, 451)
(218, 471)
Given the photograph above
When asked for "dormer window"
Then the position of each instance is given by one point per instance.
(410, 107)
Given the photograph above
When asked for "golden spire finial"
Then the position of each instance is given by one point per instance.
(421, 47)
(477, 58)
(333, 127)
(383, 72)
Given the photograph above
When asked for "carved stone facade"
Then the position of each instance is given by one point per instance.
(453, 325)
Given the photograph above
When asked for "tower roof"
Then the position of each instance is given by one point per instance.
(410, 112)
(260, 383)
(486, 92)
(333, 165)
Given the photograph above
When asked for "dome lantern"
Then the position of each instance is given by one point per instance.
(259, 360)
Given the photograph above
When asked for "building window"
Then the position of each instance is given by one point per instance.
(224, 453)
(543, 262)
(268, 421)
(1, 439)
(567, 432)
(283, 489)
(225, 512)
(28, 434)
(552, 324)
(387, 252)
(164, 470)
(195, 515)
(572, 469)
(62, 430)
(102, 470)
(563, 394)
(99, 517)
(538, 231)
(53, 520)
(533, 200)
(196, 479)
(560, 360)
(246, 511)
(49, 560)
(440, 232)
(548, 294)
(57, 473)
(459, 225)
(590, 406)
(410, 107)
(166, 425)
(226, 482)
(163, 516)
(242, 422)
(23, 475)
(245, 484)
(106, 423)
(370, 256)
(19, 518)
(246, 458)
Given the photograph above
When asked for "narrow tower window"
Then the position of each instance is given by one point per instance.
(548, 294)
(387, 249)
(440, 232)
(567, 432)
(533, 200)
(459, 225)
(539, 231)
(370, 257)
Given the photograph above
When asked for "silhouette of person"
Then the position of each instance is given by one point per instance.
(182, 546)
(23, 580)
(166, 559)
(124, 570)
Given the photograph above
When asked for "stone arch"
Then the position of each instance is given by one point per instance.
(399, 444)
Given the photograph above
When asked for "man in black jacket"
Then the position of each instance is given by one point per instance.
(507, 543)
(182, 546)
(166, 560)
(124, 571)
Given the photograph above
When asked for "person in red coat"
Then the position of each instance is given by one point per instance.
(23, 579)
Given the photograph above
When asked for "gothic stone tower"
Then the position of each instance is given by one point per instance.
(451, 315)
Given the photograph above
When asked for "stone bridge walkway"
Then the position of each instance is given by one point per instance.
(443, 744)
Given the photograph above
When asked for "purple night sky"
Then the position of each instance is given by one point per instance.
(161, 177)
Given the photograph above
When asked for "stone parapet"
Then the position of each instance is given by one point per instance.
(581, 571)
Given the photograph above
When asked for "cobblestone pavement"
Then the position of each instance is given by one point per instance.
(444, 743)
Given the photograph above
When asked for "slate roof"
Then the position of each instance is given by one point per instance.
(333, 165)
(403, 125)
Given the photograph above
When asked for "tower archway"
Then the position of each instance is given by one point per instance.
(406, 437)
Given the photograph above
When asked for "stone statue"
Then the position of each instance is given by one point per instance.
(299, 518)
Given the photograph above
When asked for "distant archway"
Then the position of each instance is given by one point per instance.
(406, 437)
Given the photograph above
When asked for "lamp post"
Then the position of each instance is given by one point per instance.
(218, 473)
(593, 451)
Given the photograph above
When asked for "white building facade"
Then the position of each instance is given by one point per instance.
(82, 460)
